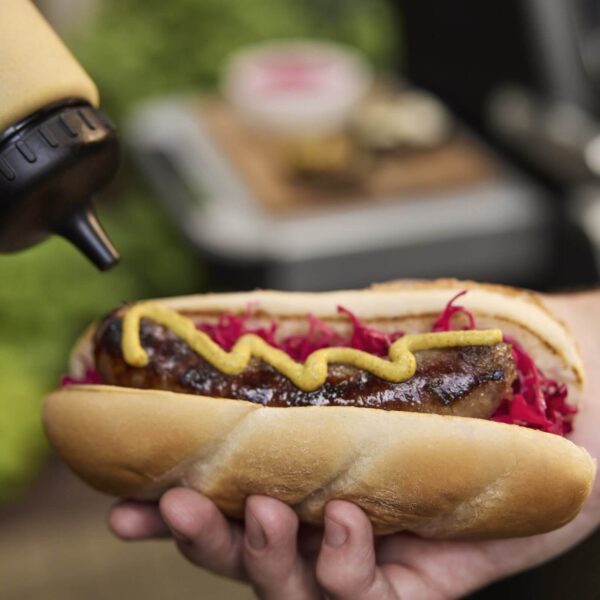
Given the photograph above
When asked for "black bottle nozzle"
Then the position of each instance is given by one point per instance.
(84, 231)
(51, 165)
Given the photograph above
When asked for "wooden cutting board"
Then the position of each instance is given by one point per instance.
(262, 165)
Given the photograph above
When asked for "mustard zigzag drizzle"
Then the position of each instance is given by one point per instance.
(308, 376)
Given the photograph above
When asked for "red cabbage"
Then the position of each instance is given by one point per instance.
(229, 328)
(444, 321)
(367, 338)
(320, 335)
(90, 376)
(538, 401)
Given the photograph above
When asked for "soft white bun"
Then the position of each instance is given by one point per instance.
(438, 476)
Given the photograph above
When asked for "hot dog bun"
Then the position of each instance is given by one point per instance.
(438, 476)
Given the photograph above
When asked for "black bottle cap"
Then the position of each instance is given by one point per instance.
(51, 166)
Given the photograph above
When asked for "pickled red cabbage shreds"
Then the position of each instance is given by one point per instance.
(229, 328)
(537, 402)
(320, 335)
(367, 338)
(90, 376)
(445, 321)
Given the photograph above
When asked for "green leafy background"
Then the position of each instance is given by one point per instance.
(136, 49)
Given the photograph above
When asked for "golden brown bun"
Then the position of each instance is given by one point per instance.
(438, 476)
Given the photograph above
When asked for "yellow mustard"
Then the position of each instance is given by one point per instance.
(308, 376)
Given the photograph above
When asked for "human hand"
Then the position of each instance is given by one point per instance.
(284, 560)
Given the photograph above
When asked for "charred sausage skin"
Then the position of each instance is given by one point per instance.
(467, 381)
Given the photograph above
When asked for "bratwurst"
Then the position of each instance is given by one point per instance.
(464, 381)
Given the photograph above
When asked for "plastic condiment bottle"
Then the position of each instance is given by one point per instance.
(56, 148)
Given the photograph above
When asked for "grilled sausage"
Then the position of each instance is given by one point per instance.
(466, 381)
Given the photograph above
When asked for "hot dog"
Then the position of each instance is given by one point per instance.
(438, 407)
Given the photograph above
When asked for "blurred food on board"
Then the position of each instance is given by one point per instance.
(271, 165)
(408, 119)
(319, 101)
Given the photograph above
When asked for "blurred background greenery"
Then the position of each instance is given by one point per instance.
(134, 49)
(139, 48)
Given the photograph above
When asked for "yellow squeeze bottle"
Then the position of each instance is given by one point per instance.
(57, 149)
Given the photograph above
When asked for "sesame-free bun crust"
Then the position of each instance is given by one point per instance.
(438, 476)
(435, 475)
